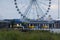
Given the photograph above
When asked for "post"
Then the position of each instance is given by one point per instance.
(58, 9)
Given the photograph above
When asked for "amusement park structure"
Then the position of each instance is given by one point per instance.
(33, 9)
(34, 12)
(32, 16)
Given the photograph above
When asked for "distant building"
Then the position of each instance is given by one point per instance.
(4, 24)
(36, 23)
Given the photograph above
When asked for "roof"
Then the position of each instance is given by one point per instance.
(5, 21)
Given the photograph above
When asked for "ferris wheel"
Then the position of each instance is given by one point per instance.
(32, 9)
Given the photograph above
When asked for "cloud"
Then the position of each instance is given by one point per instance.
(54, 7)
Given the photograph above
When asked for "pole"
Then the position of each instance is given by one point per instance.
(58, 9)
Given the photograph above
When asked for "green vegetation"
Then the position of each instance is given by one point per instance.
(31, 35)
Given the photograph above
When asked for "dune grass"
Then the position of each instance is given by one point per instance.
(31, 35)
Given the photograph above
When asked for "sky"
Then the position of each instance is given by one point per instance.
(8, 10)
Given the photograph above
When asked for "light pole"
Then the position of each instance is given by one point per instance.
(58, 9)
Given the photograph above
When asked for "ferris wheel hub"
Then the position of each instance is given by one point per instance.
(33, 0)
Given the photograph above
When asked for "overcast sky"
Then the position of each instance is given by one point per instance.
(8, 10)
